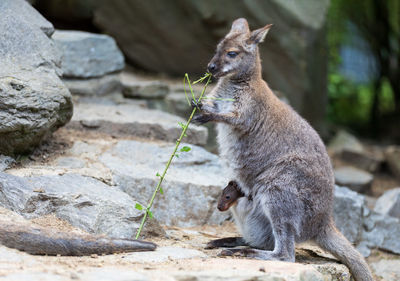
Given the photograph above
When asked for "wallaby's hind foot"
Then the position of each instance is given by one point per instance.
(226, 242)
(257, 254)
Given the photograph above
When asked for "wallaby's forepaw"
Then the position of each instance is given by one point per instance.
(196, 104)
(202, 118)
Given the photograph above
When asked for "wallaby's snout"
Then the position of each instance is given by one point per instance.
(212, 68)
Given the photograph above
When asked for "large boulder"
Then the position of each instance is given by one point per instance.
(348, 212)
(33, 100)
(178, 37)
(190, 190)
(84, 202)
(389, 203)
(33, 104)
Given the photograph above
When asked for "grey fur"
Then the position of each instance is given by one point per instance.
(275, 156)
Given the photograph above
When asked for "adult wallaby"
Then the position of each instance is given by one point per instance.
(275, 156)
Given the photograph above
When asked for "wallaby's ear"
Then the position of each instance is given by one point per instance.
(240, 26)
(258, 35)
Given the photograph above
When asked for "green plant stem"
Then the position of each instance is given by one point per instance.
(178, 142)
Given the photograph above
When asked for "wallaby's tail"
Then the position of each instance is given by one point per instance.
(40, 241)
(333, 241)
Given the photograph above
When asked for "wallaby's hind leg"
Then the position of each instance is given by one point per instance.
(284, 247)
(226, 242)
(280, 204)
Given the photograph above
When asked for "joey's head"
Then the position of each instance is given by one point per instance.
(237, 54)
(229, 196)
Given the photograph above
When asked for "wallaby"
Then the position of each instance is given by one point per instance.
(275, 156)
(229, 196)
(42, 241)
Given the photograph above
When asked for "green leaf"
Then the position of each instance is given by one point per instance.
(138, 206)
(183, 126)
(176, 155)
(161, 190)
(150, 213)
(158, 175)
(185, 149)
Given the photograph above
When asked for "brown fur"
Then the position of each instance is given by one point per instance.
(229, 196)
(275, 156)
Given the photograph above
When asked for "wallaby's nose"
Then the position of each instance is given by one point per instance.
(212, 67)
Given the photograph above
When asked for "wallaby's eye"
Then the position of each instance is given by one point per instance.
(227, 197)
(232, 54)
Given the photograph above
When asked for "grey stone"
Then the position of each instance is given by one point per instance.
(70, 162)
(145, 89)
(192, 42)
(24, 43)
(380, 232)
(191, 186)
(87, 54)
(364, 249)
(33, 100)
(389, 203)
(392, 155)
(176, 103)
(82, 201)
(33, 104)
(5, 162)
(363, 160)
(162, 254)
(125, 120)
(388, 270)
(345, 141)
(348, 212)
(356, 179)
(98, 86)
(31, 16)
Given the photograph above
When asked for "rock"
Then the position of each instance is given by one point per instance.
(145, 89)
(190, 44)
(191, 187)
(388, 270)
(31, 16)
(362, 160)
(34, 103)
(33, 100)
(176, 103)
(356, 179)
(70, 162)
(345, 141)
(98, 86)
(348, 212)
(87, 54)
(389, 203)
(25, 42)
(163, 254)
(125, 120)
(83, 202)
(5, 162)
(378, 232)
(392, 155)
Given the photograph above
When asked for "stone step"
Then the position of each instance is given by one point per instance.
(130, 120)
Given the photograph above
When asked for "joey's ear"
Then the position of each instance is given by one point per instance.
(258, 35)
(240, 26)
